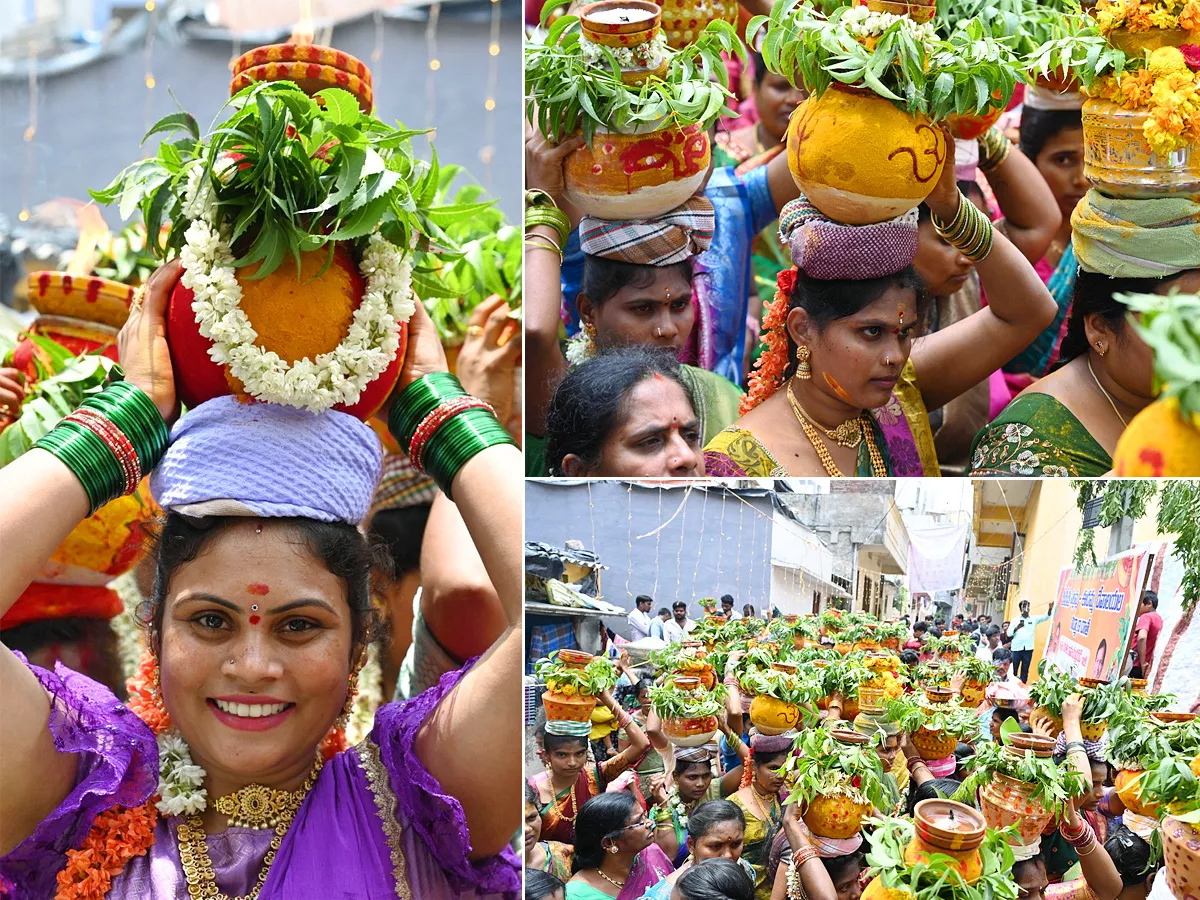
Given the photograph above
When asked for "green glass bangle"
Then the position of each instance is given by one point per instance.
(134, 413)
(460, 439)
(418, 400)
(89, 459)
(551, 217)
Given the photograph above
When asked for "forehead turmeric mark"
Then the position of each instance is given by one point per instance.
(258, 589)
(837, 388)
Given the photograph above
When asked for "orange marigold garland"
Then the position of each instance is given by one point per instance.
(119, 834)
(771, 365)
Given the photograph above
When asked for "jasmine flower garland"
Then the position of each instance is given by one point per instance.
(648, 54)
(336, 377)
(179, 779)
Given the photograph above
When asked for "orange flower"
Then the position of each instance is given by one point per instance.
(116, 837)
(144, 700)
(771, 365)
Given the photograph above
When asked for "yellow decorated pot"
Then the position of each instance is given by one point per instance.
(973, 692)
(683, 20)
(860, 159)
(1118, 160)
(1181, 854)
(876, 891)
(1160, 442)
(772, 716)
(934, 744)
(1136, 43)
(917, 10)
(1093, 731)
(1128, 785)
(1005, 801)
(835, 816)
(637, 176)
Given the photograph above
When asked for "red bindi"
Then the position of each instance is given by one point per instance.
(258, 589)
(254, 620)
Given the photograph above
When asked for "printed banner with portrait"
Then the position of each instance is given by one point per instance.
(1094, 614)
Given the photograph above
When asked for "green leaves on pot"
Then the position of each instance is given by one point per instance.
(844, 676)
(126, 258)
(975, 669)
(564, 94)
(292, 173)
(795, 689)
(599, 674)
(669, 702)
(827, 767)
(939, 879)
(911, 712)
(968, 73)
(64, 382)
(1173, 784)
(1134, 740)
(1073, 44)
(1053, 785)
(1052, 688)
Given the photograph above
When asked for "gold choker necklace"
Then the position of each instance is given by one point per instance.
(254, 806)
(848, 434)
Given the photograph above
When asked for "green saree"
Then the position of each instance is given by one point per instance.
(1037, 436)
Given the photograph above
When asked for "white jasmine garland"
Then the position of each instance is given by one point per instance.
(179, 779)
(579, 349)
(336, 377)
(862, 22)
(648, 54)
(678, 807)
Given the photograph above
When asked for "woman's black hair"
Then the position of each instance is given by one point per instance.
(531, 795)
(600, 818)
(1039, 125)
(342, 549)
(602, 278)
(910, 657)
(539, 885)
(401, 530)
(590, 401)
(711, 813)
(1130, 854)
(760, 68)
(682, 765)
(1094, 295)
(552, 742)
(763, 758)
(934, 789)
(828, 300)
(716, 879)
(836, 866)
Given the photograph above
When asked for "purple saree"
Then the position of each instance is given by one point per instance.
(376, 825)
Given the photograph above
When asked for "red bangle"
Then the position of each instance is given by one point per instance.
(115, 440)
(438, 417)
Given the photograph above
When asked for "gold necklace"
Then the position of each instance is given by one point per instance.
(848, 434)
(878, 466)
(252, 804)
(612, 881)
(764, 815)
(1107, 395)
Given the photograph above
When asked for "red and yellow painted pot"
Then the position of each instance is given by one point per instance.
(1005, 801)
(1181, 853)
(1050, 723)
(620, 23)
(773, 716)
(1117, 159)
(971, 128)
(934, 744)
(1161, 441)
(270, 303)
(835, 816)
(917, 10)
(860, 159)
(86, 297)
(310, 66)
(637, 176)
(691, 732)
(953, 829)
(1093, 731)
(683, 20)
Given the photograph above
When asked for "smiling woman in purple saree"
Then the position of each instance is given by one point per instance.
(226, 774)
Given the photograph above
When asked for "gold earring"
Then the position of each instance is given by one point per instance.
(1100, 347)
(803, 369)
(351, 693)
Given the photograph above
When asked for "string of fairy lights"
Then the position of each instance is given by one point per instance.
(487, 150)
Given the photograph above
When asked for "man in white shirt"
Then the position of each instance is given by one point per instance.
(639, 618)
(679, 626)
(727, 610)
(990, 642)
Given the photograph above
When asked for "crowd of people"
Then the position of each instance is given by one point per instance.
(717, 339)
(643, 814)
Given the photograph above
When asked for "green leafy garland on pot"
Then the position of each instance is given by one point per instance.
(1052, 688)
(828, 768)
(939, 880)
(974, 669)
(1174, 785)
(1135, 741)
(566, 93)
(904, 62)
(1052, 785)
(844, 676)
(956, 643)
(912, 712)
(931, 674)
(794, 689)
(669, 702)
(598, 675)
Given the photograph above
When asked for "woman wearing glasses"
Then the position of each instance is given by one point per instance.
(615, 855)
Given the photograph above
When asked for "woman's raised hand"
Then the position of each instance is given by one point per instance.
(544, 162)
(142, 343)
(424, 354)
(943, 200)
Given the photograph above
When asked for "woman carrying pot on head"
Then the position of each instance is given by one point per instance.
(846, 384)
(829, 868)
(692, 785)
(759, 800)
(636, 291)
(615, 854)
(256, 627)
(628, 412)
(1030, 217)
(1068, 423)
(572, 777)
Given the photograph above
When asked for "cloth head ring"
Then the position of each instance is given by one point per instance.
(829, 250)
(228, 458)
(665, 240)
(565, 728)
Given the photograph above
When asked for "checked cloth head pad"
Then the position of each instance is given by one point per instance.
(665, 240)
(230, 458)
(829, 250)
